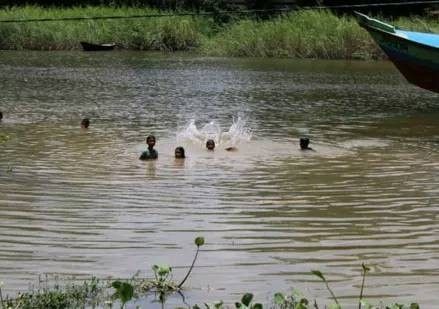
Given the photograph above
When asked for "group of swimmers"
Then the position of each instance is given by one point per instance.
(151, 154)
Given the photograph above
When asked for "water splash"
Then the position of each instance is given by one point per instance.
(238, 133)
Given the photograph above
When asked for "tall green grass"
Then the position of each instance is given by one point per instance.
(301, 34)
(166, 33)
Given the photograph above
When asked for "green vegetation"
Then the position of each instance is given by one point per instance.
(166, 33)
(94, 293)
(301, 34)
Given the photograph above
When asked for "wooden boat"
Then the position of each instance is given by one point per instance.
(415, 54)
(97, 47)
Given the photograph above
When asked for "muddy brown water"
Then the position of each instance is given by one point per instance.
(80, 203)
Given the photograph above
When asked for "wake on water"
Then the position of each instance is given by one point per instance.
(237, 133)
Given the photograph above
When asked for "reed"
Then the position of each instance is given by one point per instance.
(168, 33)
(302, 34)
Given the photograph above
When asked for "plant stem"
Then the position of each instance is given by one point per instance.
(332, 293)
(362, 287)
(1, 298)
(190, 269)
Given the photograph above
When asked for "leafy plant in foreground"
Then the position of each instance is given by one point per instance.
(199, 241)
(246, 302)
(365, 270)
(293, 301)
(124, 292)
(320, 275)
(162, 282)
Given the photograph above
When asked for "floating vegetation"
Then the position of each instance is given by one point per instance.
(3, 138)
(95, 292)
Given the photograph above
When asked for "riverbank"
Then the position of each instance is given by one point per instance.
(301, 34)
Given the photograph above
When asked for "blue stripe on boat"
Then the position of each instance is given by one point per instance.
(429, 39)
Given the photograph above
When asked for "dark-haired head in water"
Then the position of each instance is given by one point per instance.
(85, 123)
(1, 116)
(179, 153)
(304, 143)
(150, 153)
(210, 144)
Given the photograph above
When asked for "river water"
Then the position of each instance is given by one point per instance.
(78, 202)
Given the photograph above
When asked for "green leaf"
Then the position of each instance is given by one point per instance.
(366, 305)
(414, 306)
(247, 298)
(257, 306)
(116, 284)
(199, 241)
(279, 298)
(218, 305)
(319, 274)
(238, 305)
(334, 306)
(124, 291)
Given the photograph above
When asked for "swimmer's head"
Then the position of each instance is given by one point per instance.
(1, 116)
(304, 142)
(85, 123)
(179, 153)
(150, 141)
(210, 144)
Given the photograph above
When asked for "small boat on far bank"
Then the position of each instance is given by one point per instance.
(86, 46)
(415, 54)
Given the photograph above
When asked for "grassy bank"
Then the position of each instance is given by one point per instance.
(303, 34)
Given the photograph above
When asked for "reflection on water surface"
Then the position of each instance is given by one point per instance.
(80, 202)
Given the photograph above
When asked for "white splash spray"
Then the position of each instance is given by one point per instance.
(236, 134)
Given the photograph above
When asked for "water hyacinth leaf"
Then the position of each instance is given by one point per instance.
(257, 306)
(414, 306)
(124, 291)
(218, 305)
(319, 274)
(247, 298)
(303, 304)
(279, 298)
(116, 284)
(199, 241)
(161, 270)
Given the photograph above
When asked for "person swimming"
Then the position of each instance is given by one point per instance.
(150, 153)
(304, 144)
(1, 116)
(85, 123)
(210, 144)
(179, 153)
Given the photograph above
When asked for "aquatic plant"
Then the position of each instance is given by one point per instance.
(3, 138)
(295, 301)
(321, 276)
(124, 292)
(69, 296)
(246, 302)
